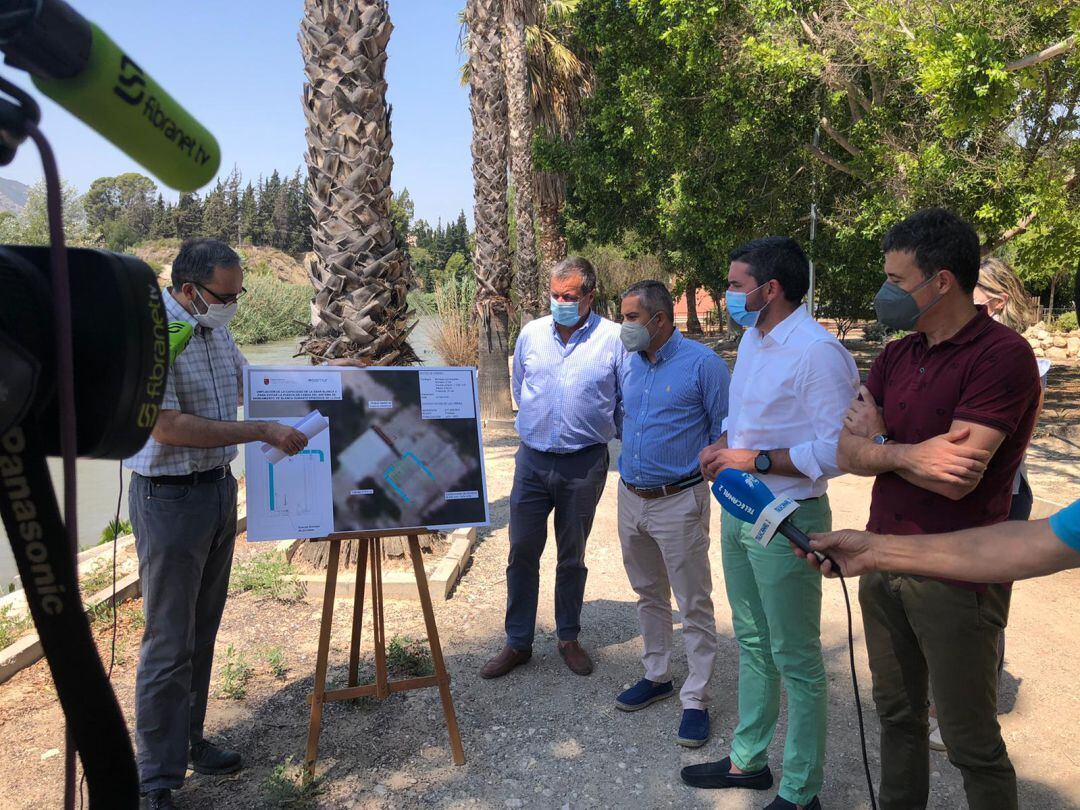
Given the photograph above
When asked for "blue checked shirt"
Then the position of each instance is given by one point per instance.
(204, 381)
(674, 408)
(569, 394)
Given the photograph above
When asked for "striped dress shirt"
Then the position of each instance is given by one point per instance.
(569, 394)
(204, 381)
(674, 408)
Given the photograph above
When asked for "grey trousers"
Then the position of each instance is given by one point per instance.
(184, 537)
(571, 485)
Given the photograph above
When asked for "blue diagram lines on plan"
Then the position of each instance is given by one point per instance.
(291, 497)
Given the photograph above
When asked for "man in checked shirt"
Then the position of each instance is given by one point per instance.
(183, 511)
(567, 370)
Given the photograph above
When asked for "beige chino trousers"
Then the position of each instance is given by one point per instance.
(665, 548)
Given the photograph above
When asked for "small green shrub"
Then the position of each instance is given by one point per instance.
(12, 626)
(291, 786)
(267, 575)
(235, 674)
(409, 656)
(275, 659)
(1064, 323)
(271, 310)
(422, 302)
(456, 339)
(113, 530)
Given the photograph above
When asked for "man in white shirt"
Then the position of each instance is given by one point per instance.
(788, 397)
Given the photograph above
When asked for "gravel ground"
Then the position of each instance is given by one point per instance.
(543, 737)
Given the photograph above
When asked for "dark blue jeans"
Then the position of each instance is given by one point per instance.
(184, 536)
(571, 485)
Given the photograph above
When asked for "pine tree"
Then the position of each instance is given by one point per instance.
(249, 213)
(267, 199)
(216, 220)
(162, 225)
(188, 215)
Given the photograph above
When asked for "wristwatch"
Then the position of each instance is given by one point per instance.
(881, 438)
(763, 463)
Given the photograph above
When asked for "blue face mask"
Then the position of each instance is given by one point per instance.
(565, 314)
(736, 307)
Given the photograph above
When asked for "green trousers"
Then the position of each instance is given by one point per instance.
(775, 603)
(921, 631)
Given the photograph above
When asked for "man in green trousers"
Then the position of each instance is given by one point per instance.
(792, 384)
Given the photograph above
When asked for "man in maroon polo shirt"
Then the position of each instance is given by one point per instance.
(942, 422)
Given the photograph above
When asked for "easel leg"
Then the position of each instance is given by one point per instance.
(382, 688)
(358, 613)
(324, 653)
(436, 650)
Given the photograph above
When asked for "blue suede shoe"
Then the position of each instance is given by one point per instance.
(643, 693)
(694, 728)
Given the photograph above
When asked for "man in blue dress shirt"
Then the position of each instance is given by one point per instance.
(675, 397)
(566, 381)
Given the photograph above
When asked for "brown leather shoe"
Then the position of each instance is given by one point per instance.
(575, 657)
(505, 661)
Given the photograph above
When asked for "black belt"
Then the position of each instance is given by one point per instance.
(580, 450)
(650, 493)
(191, 479)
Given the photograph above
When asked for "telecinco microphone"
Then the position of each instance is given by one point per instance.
(747, 498)
(78, 66)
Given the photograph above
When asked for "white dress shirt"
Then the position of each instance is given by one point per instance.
(791, 389)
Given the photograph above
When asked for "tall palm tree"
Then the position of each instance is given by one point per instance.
(560, 80)
(487, 103)
(360, 276)
(515, 55)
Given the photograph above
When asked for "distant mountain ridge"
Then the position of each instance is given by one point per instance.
(13, 195)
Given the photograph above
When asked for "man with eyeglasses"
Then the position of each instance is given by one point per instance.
(183, 512)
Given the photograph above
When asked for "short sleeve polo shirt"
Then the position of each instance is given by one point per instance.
(985, 374)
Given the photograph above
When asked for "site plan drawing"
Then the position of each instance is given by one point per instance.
(389, 448)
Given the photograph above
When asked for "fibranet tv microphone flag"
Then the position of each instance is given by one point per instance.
(78, 66)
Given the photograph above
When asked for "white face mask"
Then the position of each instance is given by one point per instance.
(216, 315)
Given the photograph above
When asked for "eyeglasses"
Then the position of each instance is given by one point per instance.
(227, 300)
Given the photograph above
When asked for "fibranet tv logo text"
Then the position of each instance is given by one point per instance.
(131, 87)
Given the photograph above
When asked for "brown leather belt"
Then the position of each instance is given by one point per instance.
(651, 493)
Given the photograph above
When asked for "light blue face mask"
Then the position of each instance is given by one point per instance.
(736, 307)
(565, 314)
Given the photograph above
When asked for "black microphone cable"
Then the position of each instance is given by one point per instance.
(855, 687)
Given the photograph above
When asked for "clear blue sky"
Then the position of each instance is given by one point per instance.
(235, 64)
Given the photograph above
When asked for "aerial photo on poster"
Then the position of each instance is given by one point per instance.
(388, 449)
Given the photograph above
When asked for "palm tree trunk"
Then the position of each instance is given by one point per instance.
(551, 194)
(491, 257)
(360, 275)
(526, 273)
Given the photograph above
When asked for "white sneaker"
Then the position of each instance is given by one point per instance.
(936, 743)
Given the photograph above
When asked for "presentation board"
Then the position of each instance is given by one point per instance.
(388, 449)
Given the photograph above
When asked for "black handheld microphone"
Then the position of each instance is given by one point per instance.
(746, 497)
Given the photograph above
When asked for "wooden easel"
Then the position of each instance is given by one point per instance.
(382, 688)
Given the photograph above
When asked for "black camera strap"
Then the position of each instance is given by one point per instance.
(38, 540)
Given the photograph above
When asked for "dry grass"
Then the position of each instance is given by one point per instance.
(456, 338)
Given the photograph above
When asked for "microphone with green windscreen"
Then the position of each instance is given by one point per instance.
(78, 66)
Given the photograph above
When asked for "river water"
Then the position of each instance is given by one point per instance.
(100, 483)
